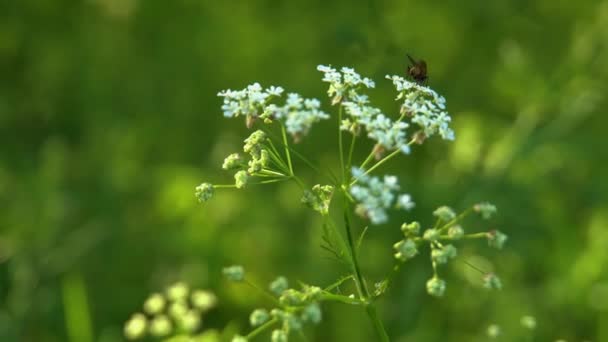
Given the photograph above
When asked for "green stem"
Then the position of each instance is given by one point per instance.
(286, 144)
(373, 315)
(350, 154)
(370, 309)
(368, 159)
(361, 288)
(261, 328)
(340, 145)
(262, 291)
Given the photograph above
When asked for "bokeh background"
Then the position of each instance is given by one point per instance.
(109, 118)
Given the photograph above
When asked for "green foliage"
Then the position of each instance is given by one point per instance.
(109, 118)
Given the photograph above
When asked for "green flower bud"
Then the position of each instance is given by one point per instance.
(442, 255)
(240, 179)
(239, 338)
(312, 292)
(456, 232)
(485, 209)
(160, 326)
(319, 198)
(406, 249)
(493, 331)
(191, 320)
(496, 239)
(234, 273)
(291, 297)
(444, 213)
(279, 285)
(204, 192)
(528, 322)
(258, 317)
(312, 313)
(178, 292)
(154, 304)
(431, 234)
(177, 310)
(411, 228)
(232, 162)
(279, 336)
(435, 287)
(136, 327)
(492, 282)
(203, 300)
(252, 143)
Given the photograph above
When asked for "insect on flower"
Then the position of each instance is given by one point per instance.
(417, 70)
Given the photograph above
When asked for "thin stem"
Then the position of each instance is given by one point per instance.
(338, 283)
(361, 288)
(261, 328)
(286, 145)
(342, 299)
(368, 159)
(350, 154)
(456, 219)
(370, 309)
(262, 291)
(373, 315)
(340, 145)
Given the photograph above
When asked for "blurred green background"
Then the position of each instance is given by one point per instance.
(109, 118)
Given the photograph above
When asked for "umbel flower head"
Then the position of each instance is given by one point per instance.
(177, 311)
(426, 108)
(299, 114)
(375, 196)
(344, 83)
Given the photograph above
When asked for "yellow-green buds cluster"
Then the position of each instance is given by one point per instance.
(177, 310)
(493, 331)
(204, 192)
(492, 282)
(442, 254)
(405, 249)
(496, 239)
(444, 213)
(528, 322)
(435, 287)
(485, 209)
(319, 198)
(258, 317)
(232, 162)
(279, 285)
(234, 273)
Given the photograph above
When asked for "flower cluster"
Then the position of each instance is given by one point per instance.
(388, 134)
(298, 114)
(295, 308)
(445, 230)
(344, 83)
(249, 102)
(375, 196)
(178, 311)
(319, 198)
(425, 107)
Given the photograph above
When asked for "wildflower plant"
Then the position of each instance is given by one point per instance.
(175, 315)
(278, 121)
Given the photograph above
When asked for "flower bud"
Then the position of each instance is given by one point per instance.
(496, 239)
(410, 228)
(154, 304)
(492, 282)
(136, 326)
(455, 232)
(279, 336)
(240, 179)
(279, 285)
(204, 192)
(312, 313)
(406, 249)
(258, 317)
(232, 162)
(435, 287)
(203, 300)
(442, 255)
(528, 322)
(234, 273)
(431, 234)
(160, 326)
(444, 213)
(485, 209)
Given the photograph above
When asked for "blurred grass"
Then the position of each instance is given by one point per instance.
(108, 119)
